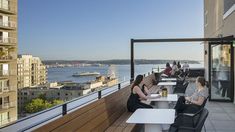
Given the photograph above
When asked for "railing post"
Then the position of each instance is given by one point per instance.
(64, 109)
(132, 59)
(119, 86)
(131, 80)
(99, 94)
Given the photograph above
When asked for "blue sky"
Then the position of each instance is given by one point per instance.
(102, 29)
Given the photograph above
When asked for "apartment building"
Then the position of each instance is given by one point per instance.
(65, 92)
(219, 19)
(8, 55)
(31, 71)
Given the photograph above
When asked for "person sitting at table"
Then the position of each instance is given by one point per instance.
(179, 65)
(193, 103)
(137, 95)
(174, 69)
(167, 70)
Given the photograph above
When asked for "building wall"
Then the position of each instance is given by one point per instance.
(8, 55)
(215, 25)
(31, 71)
(25, 95)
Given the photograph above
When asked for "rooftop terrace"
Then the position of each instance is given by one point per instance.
(221, 115)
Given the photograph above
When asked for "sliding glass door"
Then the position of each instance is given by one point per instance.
(221, 71)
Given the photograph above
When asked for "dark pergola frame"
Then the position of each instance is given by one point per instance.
(221, 40)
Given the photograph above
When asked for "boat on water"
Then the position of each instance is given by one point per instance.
(86, 74)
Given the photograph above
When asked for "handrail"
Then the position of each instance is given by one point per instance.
(63, 108)
(10, 24)
(8, 39)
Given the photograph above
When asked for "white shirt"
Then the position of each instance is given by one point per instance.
(185, 67)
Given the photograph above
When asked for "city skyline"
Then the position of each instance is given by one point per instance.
(91, 30)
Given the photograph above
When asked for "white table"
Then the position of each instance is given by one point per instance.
(163, 102)
(169, 79)
(153, 119)
(168, 85)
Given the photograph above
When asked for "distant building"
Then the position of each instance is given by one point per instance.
(93, 85)
(31, 72)
(8, 55)
(65, 93)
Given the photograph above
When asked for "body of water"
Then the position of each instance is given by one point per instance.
(122, 72)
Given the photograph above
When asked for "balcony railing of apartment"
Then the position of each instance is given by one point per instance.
(7, 105)
(38, 119)
(5, 73)
(9, 24)
(7, 40)
(8, 6)
(6, 121)
(7, 89)
(6, 58)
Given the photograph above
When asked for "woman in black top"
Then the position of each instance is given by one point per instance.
(137, 94)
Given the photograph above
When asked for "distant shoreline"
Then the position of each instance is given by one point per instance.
(114, 62)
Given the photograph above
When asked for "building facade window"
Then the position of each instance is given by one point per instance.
(206, 18)
(229, 7)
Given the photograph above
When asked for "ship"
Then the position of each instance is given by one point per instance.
(86, 74)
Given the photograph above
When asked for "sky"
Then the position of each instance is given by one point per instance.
(102, 29)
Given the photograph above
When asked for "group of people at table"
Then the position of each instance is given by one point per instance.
(176, 69)
(184, 104)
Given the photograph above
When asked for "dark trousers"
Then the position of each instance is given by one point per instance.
(134, 107)
(182, 107)
(225, 87)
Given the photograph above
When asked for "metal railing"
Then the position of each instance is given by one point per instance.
(4, 73)
(6, 121)
(7, 105)
(7, 89)
(41, 118)
(7, 40)
(8, 24)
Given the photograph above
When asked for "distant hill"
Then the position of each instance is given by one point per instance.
(117, 62)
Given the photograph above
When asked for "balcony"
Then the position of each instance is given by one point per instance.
(8, 25)
(7, 105)
(6, 121)
(9, 7)
(7, 54)
(7, 89)
(7, 40)
(7, 73)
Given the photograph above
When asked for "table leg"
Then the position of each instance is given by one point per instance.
(169, 89)
(152, 128)
(162, 104)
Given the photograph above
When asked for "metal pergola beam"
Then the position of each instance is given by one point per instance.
(133, 41)
(229, 38)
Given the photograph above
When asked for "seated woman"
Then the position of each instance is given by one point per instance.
(137, 95)
(193, 103)
(167, 70)
(174, 70)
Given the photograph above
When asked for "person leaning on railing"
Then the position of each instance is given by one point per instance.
(192, 104)
(137, 95)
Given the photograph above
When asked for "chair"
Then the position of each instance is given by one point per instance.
(181, 88)
(190, 122)
(204, 103)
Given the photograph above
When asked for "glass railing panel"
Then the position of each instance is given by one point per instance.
(79, 102)
(32, 121)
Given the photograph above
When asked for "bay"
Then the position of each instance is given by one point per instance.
(122, 72)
